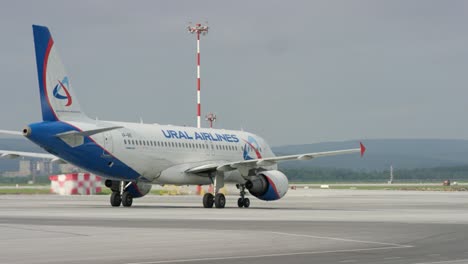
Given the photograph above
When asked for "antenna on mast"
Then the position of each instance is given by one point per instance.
(210, 117)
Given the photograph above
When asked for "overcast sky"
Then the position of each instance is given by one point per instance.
(292, 71)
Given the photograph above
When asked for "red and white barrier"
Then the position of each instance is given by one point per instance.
(75, 183)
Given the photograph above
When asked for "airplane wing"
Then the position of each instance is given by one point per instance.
(255, 163)
(11, 154)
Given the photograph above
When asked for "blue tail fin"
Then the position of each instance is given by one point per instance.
(58, 101)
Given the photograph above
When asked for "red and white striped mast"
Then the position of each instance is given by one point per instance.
(203, 30)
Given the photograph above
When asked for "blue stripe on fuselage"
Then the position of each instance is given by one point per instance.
(89, 156)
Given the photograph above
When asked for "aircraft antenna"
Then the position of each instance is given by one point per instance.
(210, 117)
(198, 29)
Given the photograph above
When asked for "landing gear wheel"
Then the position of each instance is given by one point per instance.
(208, 200)
(220, 200)
(246, 202)
(127, 199)
(240, 202)
(115, 199)
(243, 202)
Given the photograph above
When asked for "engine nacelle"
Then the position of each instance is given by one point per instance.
(136, 189)
(268, 185)
(139, 189)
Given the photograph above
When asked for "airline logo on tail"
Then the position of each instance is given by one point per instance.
(251, 146)
(61, 91)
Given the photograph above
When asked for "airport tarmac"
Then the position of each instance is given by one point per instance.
(307, 226)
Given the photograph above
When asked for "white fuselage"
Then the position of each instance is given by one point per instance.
(162, 153)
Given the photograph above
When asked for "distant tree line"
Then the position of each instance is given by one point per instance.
(24, 180)
(330, 175)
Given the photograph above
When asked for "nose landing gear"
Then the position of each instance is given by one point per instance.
(242, 201)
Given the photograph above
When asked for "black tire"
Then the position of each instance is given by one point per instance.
(127, 199)
(220, 200)
(208, 200)
(115, 199)
(246, 202)
(240, 202)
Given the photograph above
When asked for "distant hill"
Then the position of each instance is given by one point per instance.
(381, 153)
(401, 153)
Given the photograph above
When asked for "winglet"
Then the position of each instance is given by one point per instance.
(363, 149)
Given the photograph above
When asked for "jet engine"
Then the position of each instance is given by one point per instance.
(268, 185)
(136, 189)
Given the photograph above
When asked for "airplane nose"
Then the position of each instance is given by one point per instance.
(27, 131)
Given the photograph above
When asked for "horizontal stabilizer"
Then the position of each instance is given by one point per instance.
(76, 138)
(9, 132)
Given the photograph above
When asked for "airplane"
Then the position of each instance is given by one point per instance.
(133, 156)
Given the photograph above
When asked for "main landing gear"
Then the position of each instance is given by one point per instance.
(218, 200)
(120, 195)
